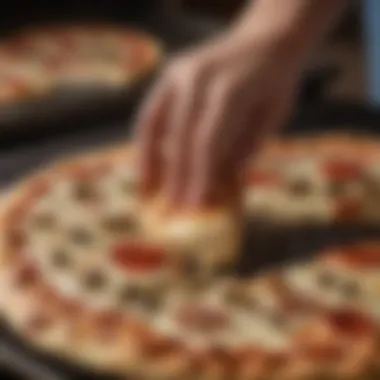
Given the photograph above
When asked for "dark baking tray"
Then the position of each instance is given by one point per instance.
(271, 246)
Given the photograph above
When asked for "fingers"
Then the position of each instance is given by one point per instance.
(208, 135)
(180, 131)
(211, 120)
(150, 128)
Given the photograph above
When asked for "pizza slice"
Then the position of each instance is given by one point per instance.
(317, 181)
(346, 276)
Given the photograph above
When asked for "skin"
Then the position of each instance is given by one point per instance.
(213, 106)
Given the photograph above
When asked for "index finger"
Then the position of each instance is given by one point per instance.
(150, 127)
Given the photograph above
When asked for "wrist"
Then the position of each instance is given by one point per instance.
(264, 41)
(294, 27)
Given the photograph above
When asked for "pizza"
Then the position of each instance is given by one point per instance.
(343, 276)
(19, 81)
(98, 275)
(317, 181)
(42, 60)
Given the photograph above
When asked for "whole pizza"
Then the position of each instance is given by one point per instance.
(100, 276)
(38, 61)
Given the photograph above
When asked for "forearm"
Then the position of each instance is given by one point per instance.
(296, 25)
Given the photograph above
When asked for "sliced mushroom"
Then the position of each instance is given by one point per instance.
(300, 187)
(61, 259)
(238, 296)
(45, 220)
(85, 191)
(81, 236)
(326, 280)
(151, 300)
(351, 289)
(120, 224)
(148, 299)
(94, 280)
(130, 294)
(278, 319)
(191, 265)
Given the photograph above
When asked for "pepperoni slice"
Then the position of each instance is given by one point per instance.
(350, 324)
(368, 256)
(361, 256)
(342, 170)
(27, 275)
(135, 256)
(348, 209)
(263, 178)
(319, 352)
(72, 308)
(202, 318)
(159, 347)
(253, 361)
(16, 238)
(108, 324)
(39, 322)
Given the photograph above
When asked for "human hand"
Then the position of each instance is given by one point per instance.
(209, 111)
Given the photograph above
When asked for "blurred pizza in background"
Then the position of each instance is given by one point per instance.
(36, 62)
